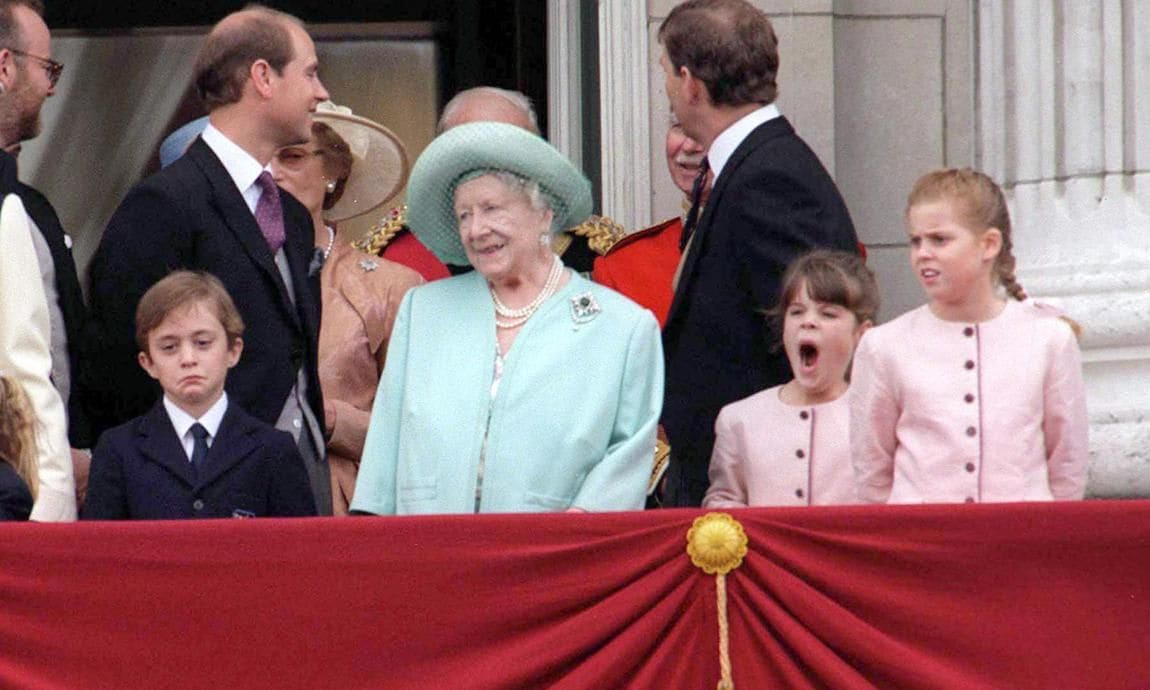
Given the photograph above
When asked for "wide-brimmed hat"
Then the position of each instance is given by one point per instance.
(379, 168)
(487, 146)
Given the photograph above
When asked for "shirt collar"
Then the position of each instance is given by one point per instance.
(724, 145)
(241, 165)
(182, 421)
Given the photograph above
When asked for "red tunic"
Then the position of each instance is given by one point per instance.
(642, 266)
(407, 250)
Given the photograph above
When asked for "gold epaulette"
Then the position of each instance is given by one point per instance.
(384, 230)
(560, 242)
(601, 233)
(662, 459)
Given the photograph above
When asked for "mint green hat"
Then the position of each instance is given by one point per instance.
(464, 150)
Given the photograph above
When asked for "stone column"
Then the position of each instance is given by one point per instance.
(1063, 129)
(624, 115)
(565, 80)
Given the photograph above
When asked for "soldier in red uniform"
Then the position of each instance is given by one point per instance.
(642, 265)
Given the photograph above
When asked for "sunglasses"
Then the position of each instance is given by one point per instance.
(52, 68)
(293, 158)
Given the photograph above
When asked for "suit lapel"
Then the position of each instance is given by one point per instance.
(233, 209)
(160, 444)
(232, 444)
(761, 134)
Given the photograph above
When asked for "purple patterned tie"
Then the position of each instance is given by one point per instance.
(269, 212)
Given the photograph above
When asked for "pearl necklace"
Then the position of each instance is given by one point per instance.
(330, 242)
(513, 318)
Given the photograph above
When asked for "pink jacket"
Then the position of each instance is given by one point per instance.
(768, 453)
(361, 295)
(952, 412)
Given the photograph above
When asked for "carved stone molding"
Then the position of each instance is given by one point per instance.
(625, 111)
(565, 79)
(1063, 130)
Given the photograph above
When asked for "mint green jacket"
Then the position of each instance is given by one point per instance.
(573, 424)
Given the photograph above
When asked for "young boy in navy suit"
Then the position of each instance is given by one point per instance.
(194, 454)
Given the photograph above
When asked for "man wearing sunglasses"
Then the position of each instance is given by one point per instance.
(42, 320)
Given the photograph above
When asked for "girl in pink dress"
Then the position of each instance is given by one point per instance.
(787, 445)
(977, 395)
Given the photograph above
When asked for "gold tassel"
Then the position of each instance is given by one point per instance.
(717, 544)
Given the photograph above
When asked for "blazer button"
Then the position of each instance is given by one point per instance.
(804, 415)
(198, 504)
(969, 397)
(800, 454)
(971, 431)
(968, 331)
(969, 364)
(970, 467)
(969, 499)
(799, 493)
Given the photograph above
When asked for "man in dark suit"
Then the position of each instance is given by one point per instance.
(216, 210)
(771, 201)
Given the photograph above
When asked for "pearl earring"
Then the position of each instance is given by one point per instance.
(330, 186)
(545, 239)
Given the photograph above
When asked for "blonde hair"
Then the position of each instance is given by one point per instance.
(18, 432)
(980, 204)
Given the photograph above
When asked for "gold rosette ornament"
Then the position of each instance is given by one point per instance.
(717, 545)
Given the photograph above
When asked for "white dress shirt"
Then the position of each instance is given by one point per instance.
(182, 421)
(243, 168)
(724, 145)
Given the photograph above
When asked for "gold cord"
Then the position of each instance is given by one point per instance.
(717, 544)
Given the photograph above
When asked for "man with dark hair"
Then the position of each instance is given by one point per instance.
(28, 76)
(771, 200)
(216, 209)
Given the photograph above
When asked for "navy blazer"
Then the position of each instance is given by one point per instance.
(141, 472)
(191, 215)
(772, 201)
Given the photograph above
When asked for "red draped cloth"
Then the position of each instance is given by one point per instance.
(1042, 596)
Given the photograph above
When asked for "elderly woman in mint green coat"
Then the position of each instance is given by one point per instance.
(520, 386)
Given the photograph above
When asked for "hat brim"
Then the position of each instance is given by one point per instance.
(379, 168)
(176, 143)
(487, 146)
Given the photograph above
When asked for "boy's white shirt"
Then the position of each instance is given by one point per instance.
(182, 421)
